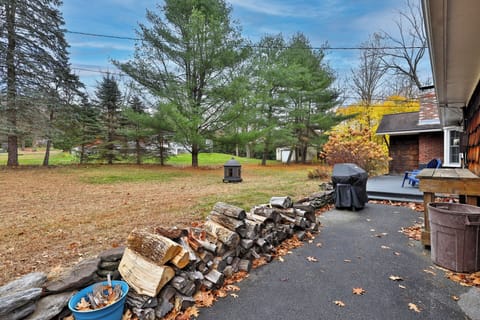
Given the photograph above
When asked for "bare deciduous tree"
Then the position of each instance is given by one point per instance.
(409, 44)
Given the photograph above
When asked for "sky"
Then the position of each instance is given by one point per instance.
(340, 23)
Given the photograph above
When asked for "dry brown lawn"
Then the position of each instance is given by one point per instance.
(54, 217)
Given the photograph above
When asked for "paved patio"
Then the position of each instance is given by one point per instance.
(390, 188)
(360, 249)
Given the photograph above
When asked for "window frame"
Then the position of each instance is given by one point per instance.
(447, 147)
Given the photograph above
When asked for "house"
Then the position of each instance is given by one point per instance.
(452, 33)
(415, 137)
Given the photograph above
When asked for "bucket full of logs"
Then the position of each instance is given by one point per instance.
(100, 301)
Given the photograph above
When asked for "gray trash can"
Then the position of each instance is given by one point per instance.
(454, 236)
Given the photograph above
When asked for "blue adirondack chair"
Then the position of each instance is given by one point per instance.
(411, 176)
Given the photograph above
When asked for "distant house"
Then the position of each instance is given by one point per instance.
(418, 137)
(283, 153)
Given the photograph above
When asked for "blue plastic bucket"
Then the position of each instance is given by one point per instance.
(110, 312)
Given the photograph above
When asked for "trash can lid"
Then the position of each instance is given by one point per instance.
(232, 163)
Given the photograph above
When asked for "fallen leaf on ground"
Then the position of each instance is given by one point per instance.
(358, 291)
(234, 295)
(402, 287)
(319, 245)
(396, 253)
(204, 298)
(413, 232)
(385, 247)
(455, 298)
(414, 307)
(281, 259)
(310, 241)
(312, 259)
(395, 278)
(347, 260)
(379, 235)
(339, 303)
(368, 220)
(429, 272)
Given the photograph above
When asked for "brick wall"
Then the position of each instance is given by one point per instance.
(430, 145)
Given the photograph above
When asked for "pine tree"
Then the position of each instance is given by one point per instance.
(185, 59)
(108, 101)
(89, 129)
(32, 50)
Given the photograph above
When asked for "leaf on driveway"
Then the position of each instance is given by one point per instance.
(319, 245)
(379, 235)
(396, 253)
(414, 307)
(429, 272)
(385, 247)
(281, 259)
(339, 303)
(347, 260)
(455, 298)
(358, 291)
(395, 278)
(312, 259)
(234, 295)
(402, 287)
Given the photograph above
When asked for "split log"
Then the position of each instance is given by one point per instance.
(225, 221)
(185, 245)
(152, 246)
(287, 218)
(171, 233)
(269, 213)
(246, 243)
(245, 265)
(228, 237)
(229, 210)
(197, 240)
(216, 277)
(281, 202)
(182, 259)
(142, 275)
(256, 218)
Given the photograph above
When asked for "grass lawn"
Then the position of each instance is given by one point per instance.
(53, 217)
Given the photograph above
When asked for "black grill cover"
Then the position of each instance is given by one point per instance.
(350, 183)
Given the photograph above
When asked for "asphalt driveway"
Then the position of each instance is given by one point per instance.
(359, 249)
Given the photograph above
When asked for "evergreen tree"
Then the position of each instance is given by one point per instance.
(108, 101)
(136, 130)
(186, 58)
(32, 50)
(88, 130)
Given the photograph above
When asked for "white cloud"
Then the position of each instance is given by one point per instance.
(289, 9)
(101, 45)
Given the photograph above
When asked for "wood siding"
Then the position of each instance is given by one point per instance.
(404, 154)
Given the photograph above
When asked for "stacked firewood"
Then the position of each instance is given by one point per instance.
(166, 267)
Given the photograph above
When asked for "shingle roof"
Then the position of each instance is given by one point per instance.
(404, 123)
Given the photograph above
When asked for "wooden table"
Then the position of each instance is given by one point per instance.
(451, 181)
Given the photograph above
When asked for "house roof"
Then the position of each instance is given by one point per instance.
(452, 32)
(405, 123)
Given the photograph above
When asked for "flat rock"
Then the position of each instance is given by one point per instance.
(111, 255)
(50, 306)
(80, 276)
(20, 313)
(109, 265)
(31, 280)
(18, 300)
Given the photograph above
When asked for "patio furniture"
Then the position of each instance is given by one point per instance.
(411, 176)
(449, 181)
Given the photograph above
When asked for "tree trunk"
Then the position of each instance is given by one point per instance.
(195, 150)
(265, 153)
(248, 151)
(137, 151)
(46, 159)
(161, 140)
(11, 86)
(82, 153)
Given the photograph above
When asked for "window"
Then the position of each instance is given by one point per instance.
(452, 146)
